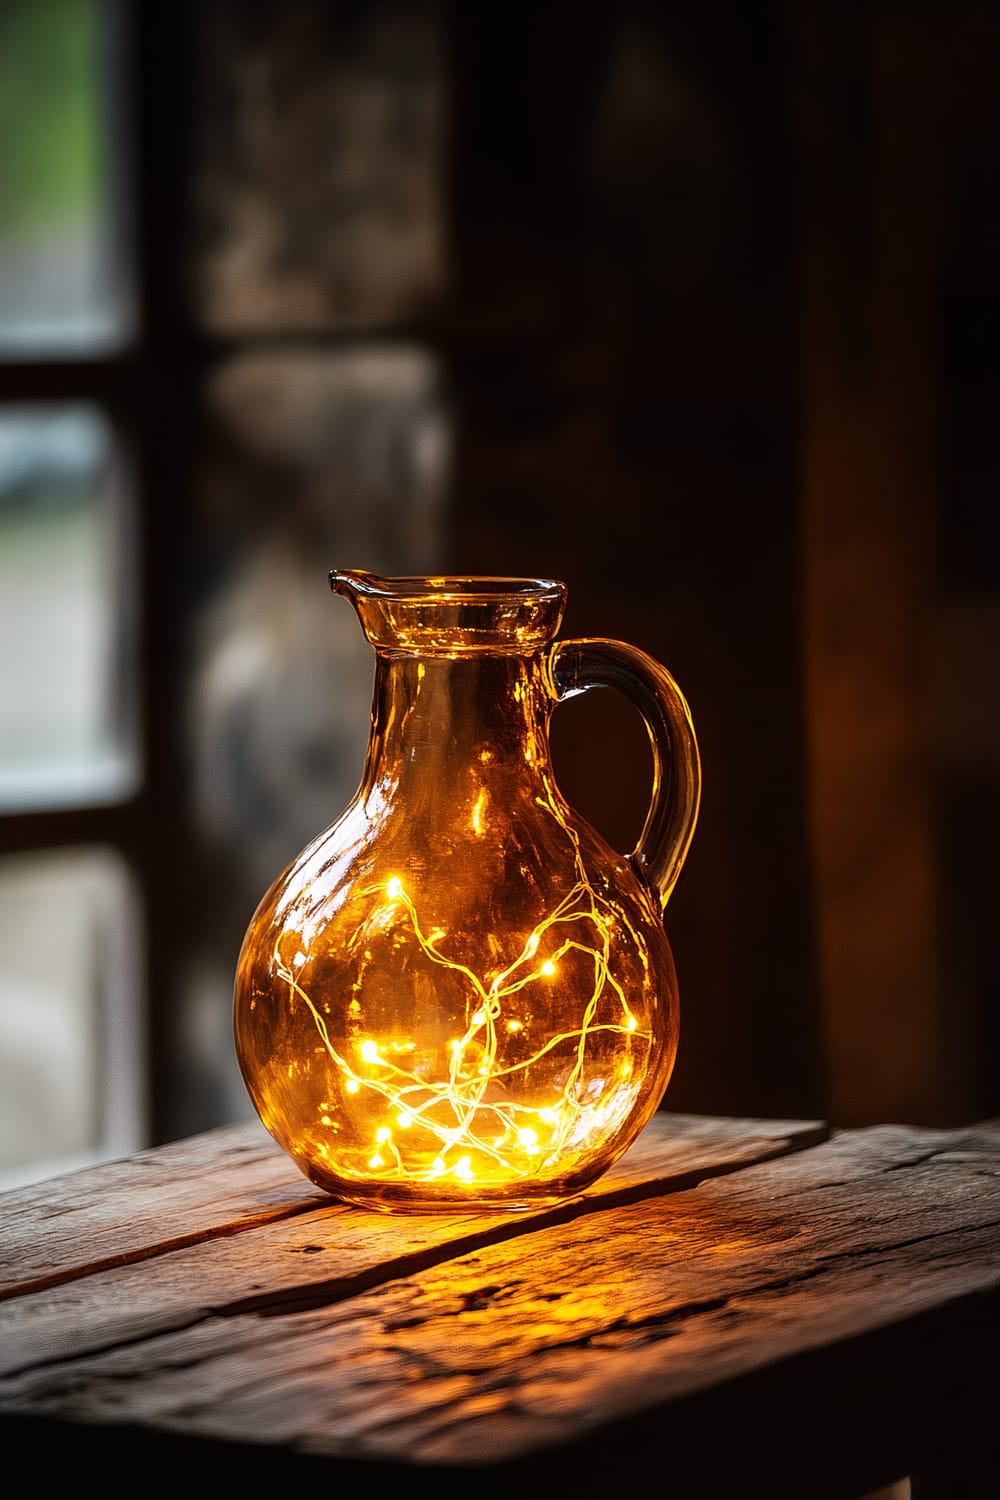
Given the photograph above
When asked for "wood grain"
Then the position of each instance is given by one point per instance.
(224, 1181)
(306, 1247)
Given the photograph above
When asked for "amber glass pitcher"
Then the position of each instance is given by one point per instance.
(459, 996)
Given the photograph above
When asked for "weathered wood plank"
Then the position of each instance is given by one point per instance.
(333, 1251)
(236, 1179)
(625, 1325)
(225, 1180)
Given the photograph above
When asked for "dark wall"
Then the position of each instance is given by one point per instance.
(685, 306)
(625, 359)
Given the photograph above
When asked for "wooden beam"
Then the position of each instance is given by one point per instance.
(874, 195)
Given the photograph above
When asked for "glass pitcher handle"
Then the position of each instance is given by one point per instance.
(579, 665)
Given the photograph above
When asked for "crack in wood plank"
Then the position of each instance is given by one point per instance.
(799, 1137)
(661, 1325)
(280, 1301)
(147, 1252)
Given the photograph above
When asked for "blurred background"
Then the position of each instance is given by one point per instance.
(695, 308)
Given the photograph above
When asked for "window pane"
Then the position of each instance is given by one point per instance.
(58, 283)
(71, 1049)
(65, 714)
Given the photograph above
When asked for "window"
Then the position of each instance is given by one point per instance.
(73, 1078)
(216, 383)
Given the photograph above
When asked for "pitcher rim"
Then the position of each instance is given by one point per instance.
(468, 587)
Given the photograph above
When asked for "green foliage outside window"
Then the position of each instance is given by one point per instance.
(49, 120)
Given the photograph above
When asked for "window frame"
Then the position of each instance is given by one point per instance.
(143, 387)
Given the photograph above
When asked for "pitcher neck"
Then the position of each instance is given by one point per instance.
(434, 714)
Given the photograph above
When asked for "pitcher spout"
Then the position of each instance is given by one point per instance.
(354, 581)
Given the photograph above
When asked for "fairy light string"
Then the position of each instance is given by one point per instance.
(464, 1125)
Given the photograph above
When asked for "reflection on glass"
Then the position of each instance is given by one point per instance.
(58, 287)
(71, 1047)
(65, 716)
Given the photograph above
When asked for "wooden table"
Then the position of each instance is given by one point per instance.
(740, 1307)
